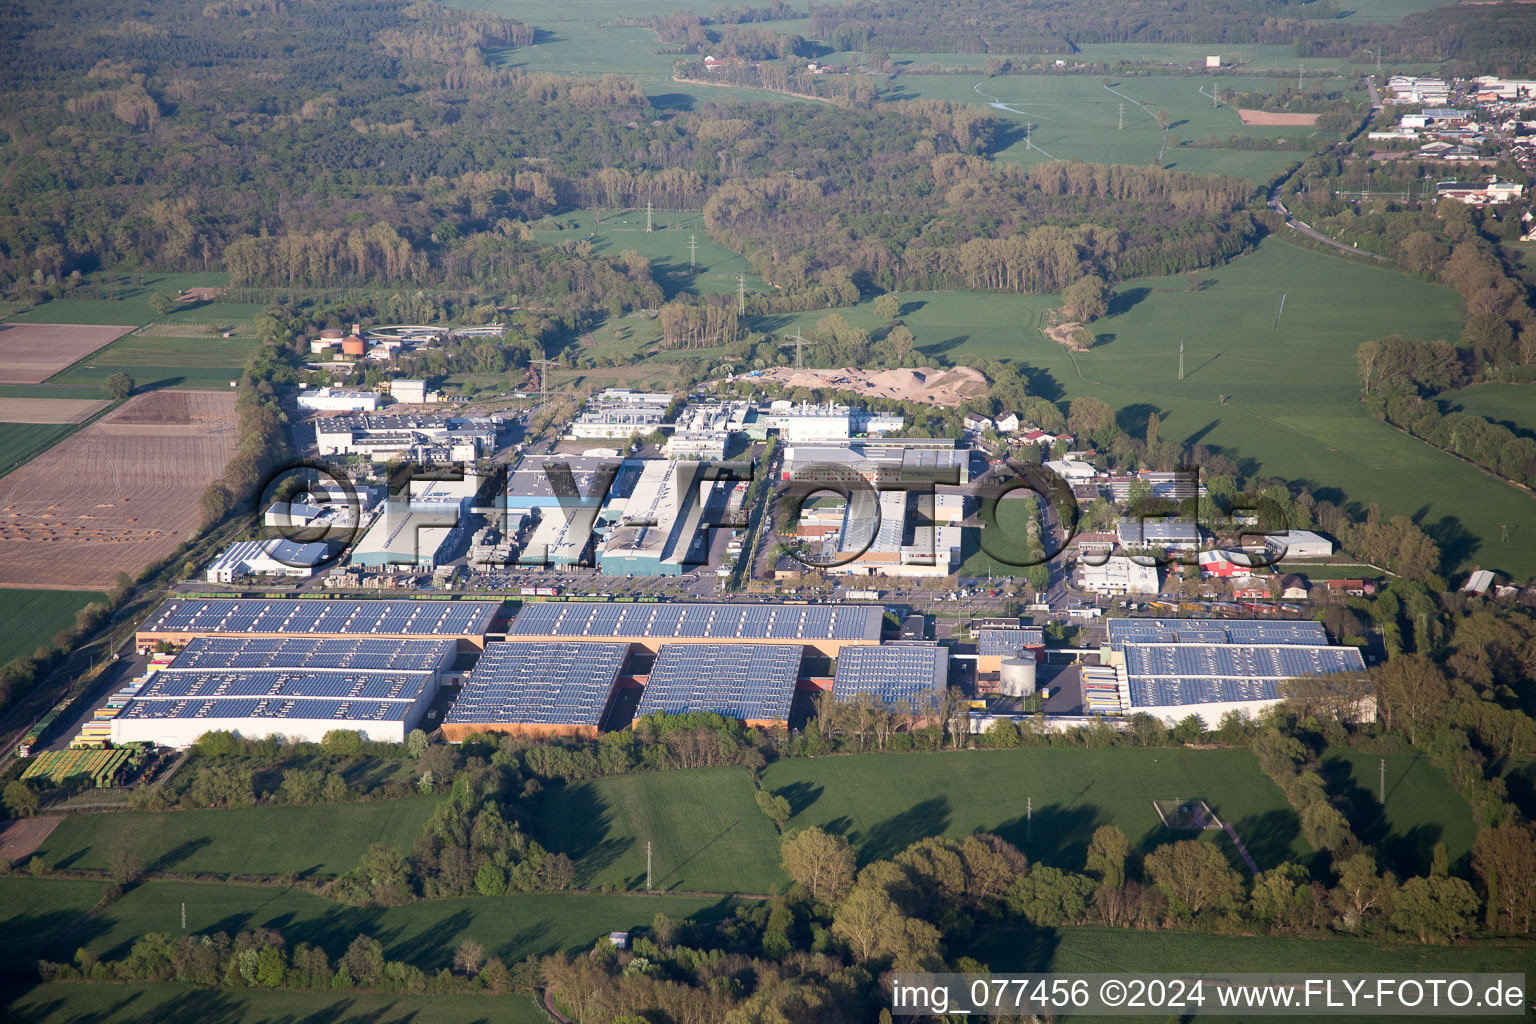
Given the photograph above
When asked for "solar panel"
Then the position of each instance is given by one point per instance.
(747, 681)
(916, 673)
(699, 621)
(318, 616)
(540, 683)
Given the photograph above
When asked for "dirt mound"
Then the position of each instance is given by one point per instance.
(925, 384)
(1261, 117)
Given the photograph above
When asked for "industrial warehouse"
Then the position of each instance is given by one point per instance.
(299, 668)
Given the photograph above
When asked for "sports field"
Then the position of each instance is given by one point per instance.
(1513, 405)
(1422, 809)
(31, 617)
(196, 362)
(706, 831)
(667, 247)
(45, 918)
(883, 803)
(325, 839)
(65, 1003)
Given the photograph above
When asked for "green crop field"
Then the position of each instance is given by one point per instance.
(164, 362)
(32, 617)
(323, 839)
(666, 247)
(706, 831)
(883, 803)
(67, 1003)
(46, 918)
(1077, 117)
(1513, 405)
(1422, 809)
(1115, 950)
(128, 302)
(1284, 395)
(20, 442)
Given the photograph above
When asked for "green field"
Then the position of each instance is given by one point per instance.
(1115, 950)
(1422, 809)
(706, 831)
(1513, 405)
(129, 303)
(1010, 540)
(163, 362)
(883, 803)
(666, 247)
(66, 1003)
(325, 839)
(1283, 398)
(1077, 117)
(20, 442)
(32, 617)
(46, 918)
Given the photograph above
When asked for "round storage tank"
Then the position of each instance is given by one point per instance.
(352, 345)
(1018, 676)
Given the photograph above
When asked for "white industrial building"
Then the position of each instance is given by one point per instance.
(1298, 544)
(424, 438)
(275, 557)
(621, 413)
(412, 392)
(424, 530)
(1119, 574)
(298, 688)
(339, 400)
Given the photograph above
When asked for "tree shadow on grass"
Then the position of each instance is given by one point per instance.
(1409, 852)
(1014, 947)
(1055, 834)
(577, 821)
(888, 838)
(801, 795)
(1267, 837)
(176, 854)
(1125, 299)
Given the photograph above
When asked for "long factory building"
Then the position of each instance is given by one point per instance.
(1171, 668)
(562, 665)
(298, 688)
(180, 620)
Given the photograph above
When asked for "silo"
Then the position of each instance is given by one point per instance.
(1018, 676)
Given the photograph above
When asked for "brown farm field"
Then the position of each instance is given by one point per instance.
(31, 353)
(1267, 117)
(48, 410)
(116, 496)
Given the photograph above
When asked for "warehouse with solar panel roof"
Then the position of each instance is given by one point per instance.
(180, 620)
(538, 688)
(1173, 668)
(914, 672)
(297, 688)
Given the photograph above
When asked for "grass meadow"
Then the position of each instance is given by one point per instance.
(883, 803)
(1077, 117)
(126, 303)
(201, 362)
(66, 1003)
(32, 617)
(706, 831)
(1422, 809)
(325, 839)
(1277, 391)
(666, 247)
(47, 918)
(1513, 405)
(22, 441)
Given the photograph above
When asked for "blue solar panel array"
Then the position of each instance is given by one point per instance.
(404, 686)
(1175, 674)
(537, 683)
(268, 707)
(312, 616)
(700, 621)
(222, 652)
(992, 642)
(914, 672)
(745, 681)
(1216, 631)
